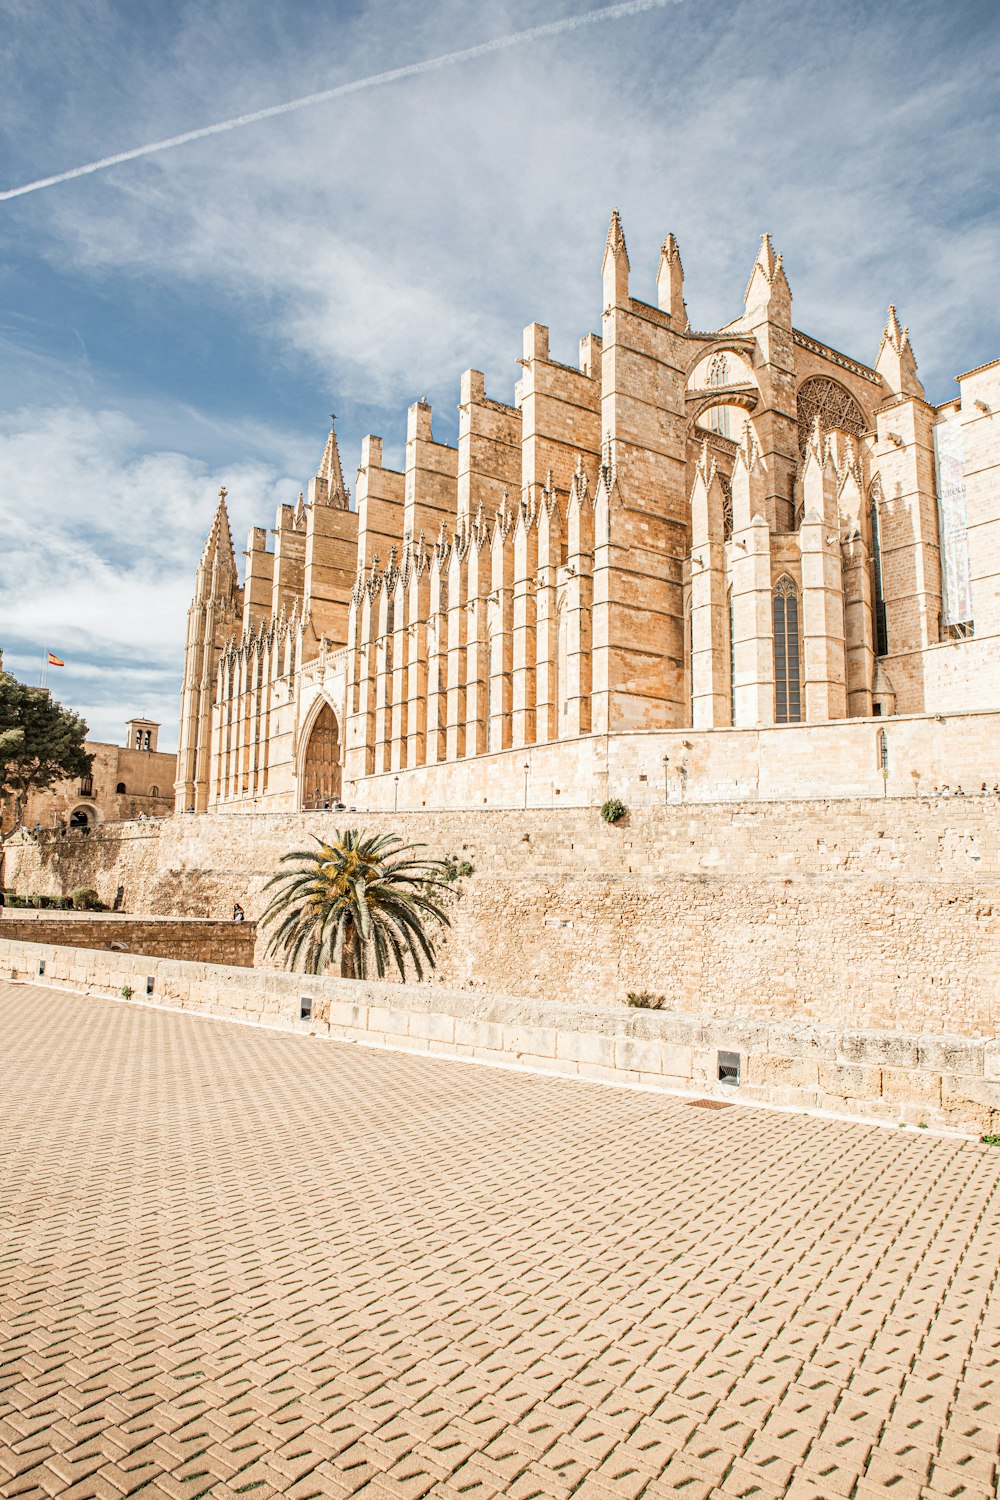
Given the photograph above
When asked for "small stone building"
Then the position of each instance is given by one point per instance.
(125, 781)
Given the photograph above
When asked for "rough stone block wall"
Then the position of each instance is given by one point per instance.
(193, 940)
(863, 912)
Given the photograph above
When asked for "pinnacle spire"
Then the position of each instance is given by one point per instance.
(615, 245)
(670, 250)
(766, 258)
(219, 542)
(767, 279)
(614, 266)
(330, 487)
(892, 333)
(896, 362)
(670, 282)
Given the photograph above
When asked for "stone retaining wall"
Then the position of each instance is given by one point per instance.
(912, 1078)
(879, 913)
(205, 941)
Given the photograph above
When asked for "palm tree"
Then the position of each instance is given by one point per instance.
(354, 898)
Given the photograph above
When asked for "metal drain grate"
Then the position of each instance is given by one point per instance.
(708, 1104)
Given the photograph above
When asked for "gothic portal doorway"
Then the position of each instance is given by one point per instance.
(321, 770)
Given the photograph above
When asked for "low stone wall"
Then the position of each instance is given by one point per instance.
(911, 1078)
(199, 940)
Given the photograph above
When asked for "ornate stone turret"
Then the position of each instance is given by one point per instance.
(768, 284)
(896, 363)
(670, 283)
(614, 267)
(328, 487)
(213, 617)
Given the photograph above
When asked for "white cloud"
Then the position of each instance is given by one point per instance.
(102, 537)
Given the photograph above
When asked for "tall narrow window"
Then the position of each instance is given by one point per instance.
(688, 654)
(718, 374)
(787, 679)
(878, 601)
(732, 660)
(883, 751)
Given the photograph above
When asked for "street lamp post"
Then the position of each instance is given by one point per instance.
(526, 770)
(666, 778)
(395, 794)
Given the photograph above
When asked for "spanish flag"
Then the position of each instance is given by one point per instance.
(55, 661)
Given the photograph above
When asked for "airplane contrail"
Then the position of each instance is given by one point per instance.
(374, 80)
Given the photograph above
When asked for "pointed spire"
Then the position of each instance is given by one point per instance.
(330, 488)
(892, 333)
(218, 555)
(896, 363)
(614, 267)
(670, 282)
(768, 281)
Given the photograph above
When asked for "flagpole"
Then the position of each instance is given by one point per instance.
(45, 663)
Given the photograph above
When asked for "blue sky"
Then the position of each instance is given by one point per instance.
(191, 319)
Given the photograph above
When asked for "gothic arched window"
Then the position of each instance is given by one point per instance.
(787, 673)
(819, 396)
(878, 597)
(732, 659)
(718, 374)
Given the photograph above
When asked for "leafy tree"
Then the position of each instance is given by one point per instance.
(353, 901)
(40, 743)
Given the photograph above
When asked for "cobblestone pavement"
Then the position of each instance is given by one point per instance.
(235, 1262)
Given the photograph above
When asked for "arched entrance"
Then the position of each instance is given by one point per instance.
(321, 768)
(82, 817)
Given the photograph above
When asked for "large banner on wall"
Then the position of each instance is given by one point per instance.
(953, 521)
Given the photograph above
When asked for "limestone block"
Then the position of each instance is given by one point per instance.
(389, 1022)
(982, 1091)
(952, 1054)
(529, 1041)
(764, 1069)
(894, 1051)
(585, 1047)
(911, 1086)
(341, 1013)
(432, 1027)
(847, 1081)
(635, 1055)
(480, 1035)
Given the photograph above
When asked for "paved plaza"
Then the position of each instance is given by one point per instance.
(236, 1262)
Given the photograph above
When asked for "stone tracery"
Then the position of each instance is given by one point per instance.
(819, 396)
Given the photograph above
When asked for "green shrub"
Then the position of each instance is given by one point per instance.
(614, 810)
(644, 1000)
(127, 992)
(85, 899)
(453, 868)
(990, 1140)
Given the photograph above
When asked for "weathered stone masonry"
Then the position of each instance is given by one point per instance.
(864, 913)
(685, 530)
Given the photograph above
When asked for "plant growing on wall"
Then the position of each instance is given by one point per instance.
(613, 810)
(355, 903)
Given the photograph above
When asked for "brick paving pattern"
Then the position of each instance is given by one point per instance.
(235, 1262)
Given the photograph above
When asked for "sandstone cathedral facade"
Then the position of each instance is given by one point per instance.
(690, 549)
